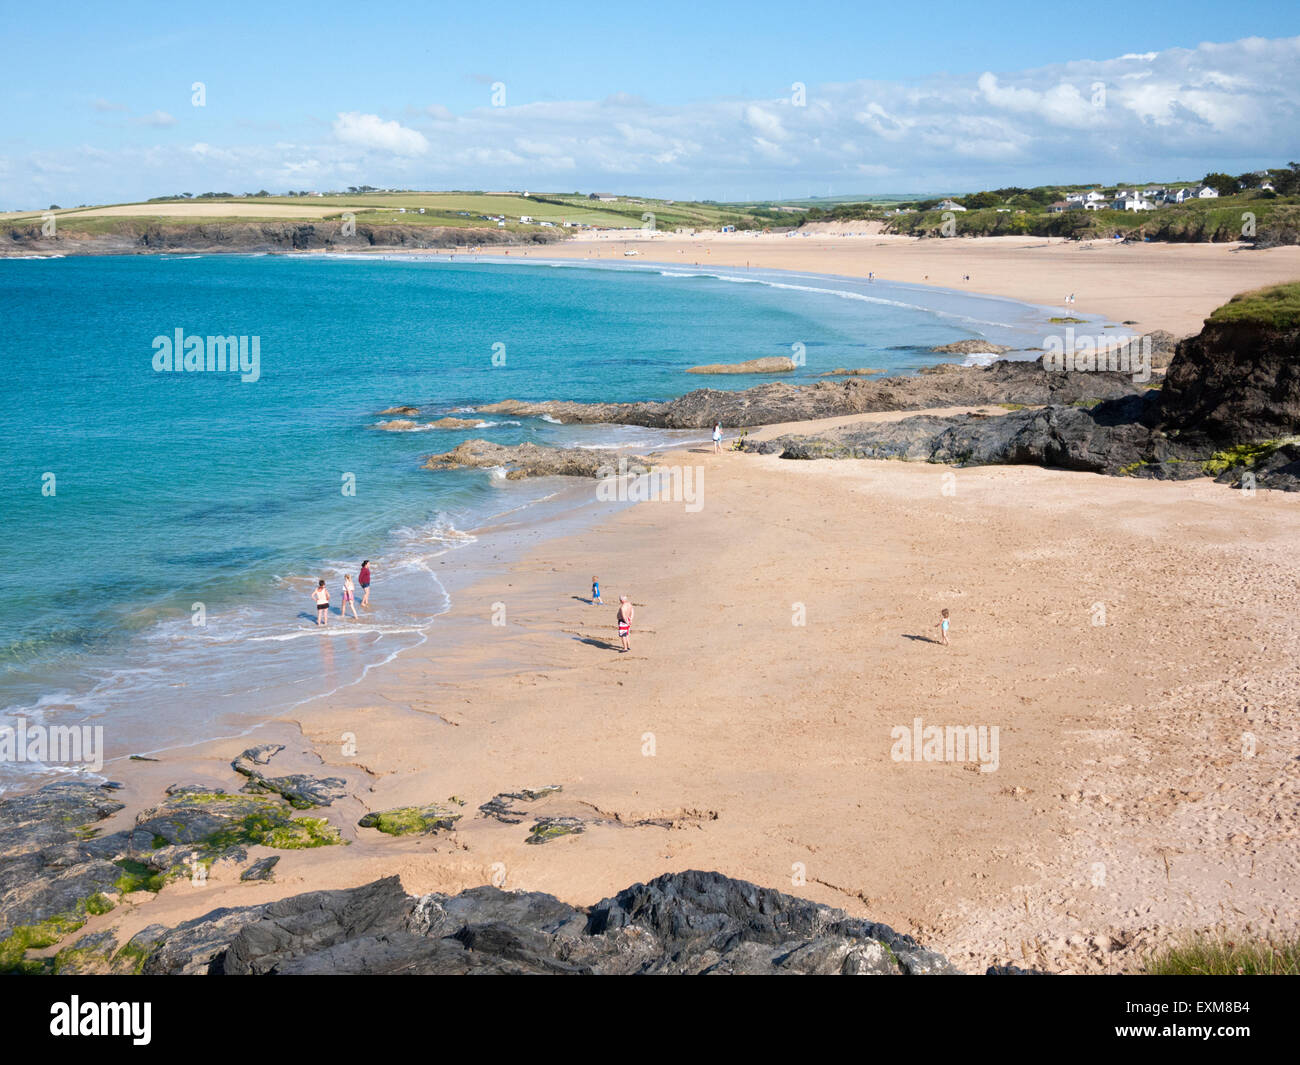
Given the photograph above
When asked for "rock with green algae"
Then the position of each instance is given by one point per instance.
(411, 820)
(549, 828)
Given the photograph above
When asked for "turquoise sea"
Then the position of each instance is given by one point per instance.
(162, 530)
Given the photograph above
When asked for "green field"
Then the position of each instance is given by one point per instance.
(452, 209)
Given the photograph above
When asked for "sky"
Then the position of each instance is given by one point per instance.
(720, 100)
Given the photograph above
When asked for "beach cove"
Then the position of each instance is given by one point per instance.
(785, 630)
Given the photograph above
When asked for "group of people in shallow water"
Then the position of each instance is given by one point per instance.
(321, 595)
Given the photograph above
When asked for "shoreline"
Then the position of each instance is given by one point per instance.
(235, 723)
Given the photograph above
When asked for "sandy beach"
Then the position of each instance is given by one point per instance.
(1130, 641)
(783, 630)
(1157, 286)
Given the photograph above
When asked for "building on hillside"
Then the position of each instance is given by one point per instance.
(1131, 201)
(1204, 192)
(951, 205)
(1060, 207)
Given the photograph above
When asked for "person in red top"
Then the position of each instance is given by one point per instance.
(363, 579)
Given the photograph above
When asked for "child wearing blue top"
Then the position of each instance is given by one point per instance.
(943, 625)
(595, 592)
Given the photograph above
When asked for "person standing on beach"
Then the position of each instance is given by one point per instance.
(625, 614)
(321, 597)
(717, 438)
(363, 578)
(943, 626)
(348, 598)
(595, 592)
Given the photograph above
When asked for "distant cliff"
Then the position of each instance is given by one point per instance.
(142, 236)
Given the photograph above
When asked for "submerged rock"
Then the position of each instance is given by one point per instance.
(775, 364)
(973, 346)
(531, 460)
(692, 922)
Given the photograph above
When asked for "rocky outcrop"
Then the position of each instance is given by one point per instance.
(531, 460)
(692, 922)
(841, 372)
(57, 871)
(1103, 439)
(777, 364)
(1234, 382)
(1229, 408)
(1025, 383)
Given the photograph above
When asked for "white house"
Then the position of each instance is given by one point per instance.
(1266, 186)
(949, 205)
(1058, 207)
(1131, 201)
(1204, 192)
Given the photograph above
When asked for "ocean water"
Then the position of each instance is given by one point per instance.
(163, 530)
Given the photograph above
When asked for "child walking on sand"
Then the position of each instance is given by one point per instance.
(717, 438)
(943, 626)
(348, 599)
(595, 592)
(625, 615)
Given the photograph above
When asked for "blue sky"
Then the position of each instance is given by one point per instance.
(672, 99)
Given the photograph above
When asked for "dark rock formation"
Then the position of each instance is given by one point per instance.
(1103, 439)
(1233, 383)
(262, 869)
(691, 922)
(301, 790)
(51, 877)
(1229, 408)
(1025, 383)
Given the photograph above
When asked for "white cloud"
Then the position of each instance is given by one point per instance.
(156, 119)
(371, 131)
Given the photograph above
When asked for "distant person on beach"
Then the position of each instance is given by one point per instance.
(625, 614)
(363, 579)
(595, 592)
(348, 598)
(943, 626)
(717, 438)
(321, 597)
